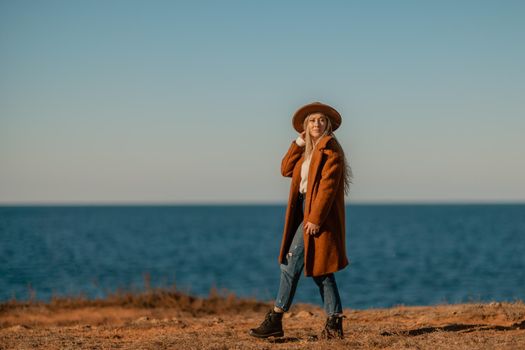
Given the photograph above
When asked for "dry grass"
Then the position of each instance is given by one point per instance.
(217, 302)
(168, 319)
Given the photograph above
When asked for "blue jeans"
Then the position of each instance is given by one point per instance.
(291, 271)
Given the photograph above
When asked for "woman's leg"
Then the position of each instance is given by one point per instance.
(329, 294)
(291, 271)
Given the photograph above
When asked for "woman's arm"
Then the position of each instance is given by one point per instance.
(292, 156)
(331, 174)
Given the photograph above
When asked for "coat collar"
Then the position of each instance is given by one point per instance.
(323, 142)
(314, 165)
(314, 160)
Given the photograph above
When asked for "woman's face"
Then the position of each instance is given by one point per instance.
(316, 125)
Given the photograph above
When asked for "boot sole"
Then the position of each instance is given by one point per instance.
(274, 334)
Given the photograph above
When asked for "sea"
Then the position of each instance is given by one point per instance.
(401, 254)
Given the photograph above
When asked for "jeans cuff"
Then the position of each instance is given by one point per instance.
(337, 313)
(280, 306)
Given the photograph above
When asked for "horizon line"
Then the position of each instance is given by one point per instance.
(251, 203)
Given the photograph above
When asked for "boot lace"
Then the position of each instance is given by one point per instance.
(267, 320)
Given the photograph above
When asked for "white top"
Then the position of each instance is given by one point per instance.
(304, 167)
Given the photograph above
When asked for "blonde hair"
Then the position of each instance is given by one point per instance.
(310, 146)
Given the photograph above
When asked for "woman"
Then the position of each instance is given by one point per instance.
(314, 229)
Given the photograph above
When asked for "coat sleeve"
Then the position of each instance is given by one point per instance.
(291, 157)
(331, 175)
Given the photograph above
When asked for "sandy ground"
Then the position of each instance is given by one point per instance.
(172, 321)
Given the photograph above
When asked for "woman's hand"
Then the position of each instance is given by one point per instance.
(303, 135)
(311, 228)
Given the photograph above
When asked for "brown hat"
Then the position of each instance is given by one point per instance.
(315, 107)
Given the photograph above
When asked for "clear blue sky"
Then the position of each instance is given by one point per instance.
(189, 102)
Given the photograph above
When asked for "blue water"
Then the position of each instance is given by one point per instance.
(400, 254)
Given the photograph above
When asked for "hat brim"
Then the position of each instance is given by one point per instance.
(316, 107)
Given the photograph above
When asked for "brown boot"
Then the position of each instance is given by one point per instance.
(333, 328)
(272, 326)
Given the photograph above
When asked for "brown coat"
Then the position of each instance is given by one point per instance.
(325, 252)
